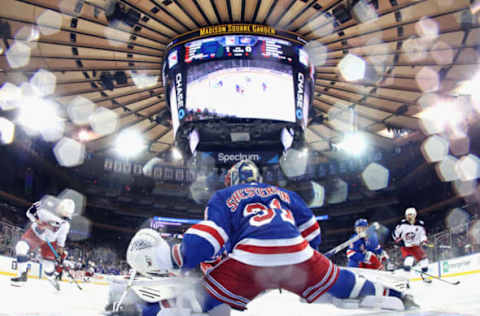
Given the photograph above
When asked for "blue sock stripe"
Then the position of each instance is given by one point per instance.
(344, 284)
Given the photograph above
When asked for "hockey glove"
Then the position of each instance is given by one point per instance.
(368, 256)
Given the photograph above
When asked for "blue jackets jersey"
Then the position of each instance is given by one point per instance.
(259, 224)
(356, 251)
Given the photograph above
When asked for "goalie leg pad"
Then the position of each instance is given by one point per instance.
(383, 302)
(219, 310)
(346, 303)
(175, 311)
(351, 285)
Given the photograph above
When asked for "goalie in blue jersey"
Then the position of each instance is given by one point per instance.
(271, 238)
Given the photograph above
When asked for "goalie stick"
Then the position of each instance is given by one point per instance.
(345, 244)
(118, 305)
(432, 276)
(68, 270)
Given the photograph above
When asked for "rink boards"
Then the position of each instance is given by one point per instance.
(464, 265)
(8, 267)
(445, 268)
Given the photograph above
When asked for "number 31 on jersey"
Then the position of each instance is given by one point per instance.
(265, 214)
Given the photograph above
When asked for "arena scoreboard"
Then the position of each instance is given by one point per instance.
(238, 71)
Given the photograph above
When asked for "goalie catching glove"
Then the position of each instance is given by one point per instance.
(149, 253)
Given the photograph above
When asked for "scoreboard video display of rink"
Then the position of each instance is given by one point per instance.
(241, 79)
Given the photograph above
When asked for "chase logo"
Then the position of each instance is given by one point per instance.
(181, 114)
(299, 114)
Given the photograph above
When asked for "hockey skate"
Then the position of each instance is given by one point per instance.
(408, 302)
(405, 302)
(19, 280)
(53, 281)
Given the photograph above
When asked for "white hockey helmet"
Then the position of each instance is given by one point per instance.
(244, 171)
(411, 211)
(66, 208)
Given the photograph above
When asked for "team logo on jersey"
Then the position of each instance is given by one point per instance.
(410, 236)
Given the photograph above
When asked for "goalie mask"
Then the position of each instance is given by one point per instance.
(148, 252)
(244, 171)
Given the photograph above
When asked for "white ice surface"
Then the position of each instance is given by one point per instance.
(38, 297)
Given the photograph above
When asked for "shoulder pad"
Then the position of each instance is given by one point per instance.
(420, 222)
(403, 221)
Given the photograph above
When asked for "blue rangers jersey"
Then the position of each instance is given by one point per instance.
(357, 250)
(259, 224)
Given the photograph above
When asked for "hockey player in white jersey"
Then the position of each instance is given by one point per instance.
(411, 233)
(50, 223)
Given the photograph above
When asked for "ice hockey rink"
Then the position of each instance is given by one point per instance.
(436, 299)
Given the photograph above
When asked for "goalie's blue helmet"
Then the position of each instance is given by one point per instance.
(361, 222)
(244, 171)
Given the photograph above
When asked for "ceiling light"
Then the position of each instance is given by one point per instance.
(129, 143)
(353, 143)
(143, 81)
(7, 131)
(176, 154)
(352, 67)
(37, 115)
(83, 135)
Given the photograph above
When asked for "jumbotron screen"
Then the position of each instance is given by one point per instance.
(251, 76)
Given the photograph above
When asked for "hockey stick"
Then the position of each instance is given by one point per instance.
(436, 277)
(68, 270)
(345, 244)
(118, 305)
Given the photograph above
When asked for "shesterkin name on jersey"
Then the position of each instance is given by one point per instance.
(241, 194)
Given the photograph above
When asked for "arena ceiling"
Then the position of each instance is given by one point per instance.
(419, 49)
